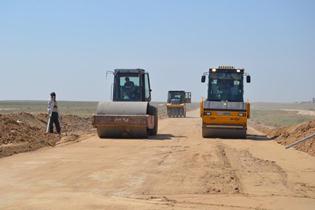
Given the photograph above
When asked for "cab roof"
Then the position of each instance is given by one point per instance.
(226, 69)
(176, 91)
(138, 71)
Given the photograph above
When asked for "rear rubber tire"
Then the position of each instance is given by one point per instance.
(153, 111)
(100, 133)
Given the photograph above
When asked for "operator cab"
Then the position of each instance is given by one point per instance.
(178, 97)
(131, 85)
(225, 84)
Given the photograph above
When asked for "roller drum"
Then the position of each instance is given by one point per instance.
(230, 133)
(121, 119)
(122, 108)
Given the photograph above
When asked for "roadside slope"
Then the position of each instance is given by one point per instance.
(24, 132)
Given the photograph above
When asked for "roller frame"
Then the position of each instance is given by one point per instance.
(176, 110)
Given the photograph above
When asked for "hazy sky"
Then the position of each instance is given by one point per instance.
(67, 46)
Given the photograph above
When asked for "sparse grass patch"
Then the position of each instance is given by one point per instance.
(79, 108)
(278, 118)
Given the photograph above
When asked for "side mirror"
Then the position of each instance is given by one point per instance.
(148, 98)
(203, 78)
(248, 79)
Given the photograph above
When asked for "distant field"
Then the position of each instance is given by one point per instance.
(79, 108)
(278, 106)
(278, 118)
(271, 114)
(66, 107)
(276, 114)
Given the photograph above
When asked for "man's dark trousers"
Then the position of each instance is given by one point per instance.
(54, 119)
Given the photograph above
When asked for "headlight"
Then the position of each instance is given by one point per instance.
(242, 114)
(208, 113)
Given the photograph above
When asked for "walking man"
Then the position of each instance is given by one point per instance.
(53, 115)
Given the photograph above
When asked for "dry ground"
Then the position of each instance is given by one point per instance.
(178, 169)
(22, 132)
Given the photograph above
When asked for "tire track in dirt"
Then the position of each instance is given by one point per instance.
(166, 201)
(230, 175)
(255, 174)
(202, 171)
(261, 177)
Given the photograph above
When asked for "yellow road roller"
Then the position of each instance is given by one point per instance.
(224, 113)
(176, 103)
(129, 114)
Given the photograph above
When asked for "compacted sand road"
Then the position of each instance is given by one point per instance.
(176, 170)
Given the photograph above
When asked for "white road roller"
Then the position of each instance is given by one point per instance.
(130, 114)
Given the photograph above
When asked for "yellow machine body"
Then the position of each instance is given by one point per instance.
(176, 103)
(224, 123)
(224, 113)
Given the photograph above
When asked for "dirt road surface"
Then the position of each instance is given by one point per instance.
(176, 170)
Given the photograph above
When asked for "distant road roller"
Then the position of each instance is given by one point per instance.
(129, 114)
(224, 113)
(176, 103)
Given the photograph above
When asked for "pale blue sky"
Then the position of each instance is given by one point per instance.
(67, 46)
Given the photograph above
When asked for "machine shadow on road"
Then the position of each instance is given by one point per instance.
(249, 137)
(158, 137)
(164, 136)
(253, 137)
(190, 117)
